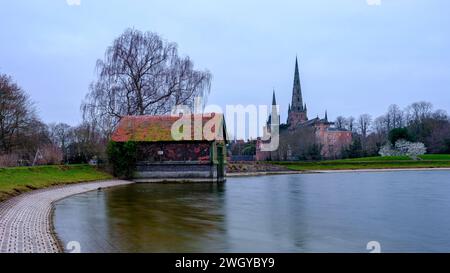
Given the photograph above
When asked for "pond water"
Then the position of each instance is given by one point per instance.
(405, 211)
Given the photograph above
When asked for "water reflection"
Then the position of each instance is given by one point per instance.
(166, 218)
(145, 218)
(404, 211)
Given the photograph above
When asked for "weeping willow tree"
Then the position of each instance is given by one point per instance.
(142, 74)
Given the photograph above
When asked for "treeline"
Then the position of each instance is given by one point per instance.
(26, 140)
(419, 121)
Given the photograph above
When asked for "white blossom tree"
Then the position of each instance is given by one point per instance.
(403, 148)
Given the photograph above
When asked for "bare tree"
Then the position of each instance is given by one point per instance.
(141, 74)
(61, 136)
(394, 117)
(351, 124)
(86, 143)
(16, 113)
(341, 122)
(364, 122)
(380, 125)
(440, 115)
(32, 137)
(418, 112)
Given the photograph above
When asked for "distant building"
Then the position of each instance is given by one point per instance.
(200, 158)
(318, 133)
(241, 150)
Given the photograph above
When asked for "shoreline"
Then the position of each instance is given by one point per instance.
(379, 170)
(247, 174)
(26, 221)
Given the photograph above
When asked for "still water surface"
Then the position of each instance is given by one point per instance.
(405, 211)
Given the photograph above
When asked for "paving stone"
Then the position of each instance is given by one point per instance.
(26, 220)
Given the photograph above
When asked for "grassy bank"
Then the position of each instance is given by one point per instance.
(14, 181)
(395, 162)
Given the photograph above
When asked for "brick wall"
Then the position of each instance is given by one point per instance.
(150, 152)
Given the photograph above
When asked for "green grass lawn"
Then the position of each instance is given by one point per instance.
(14, 181)
(393, 162)
(435, 157)
(373, 159)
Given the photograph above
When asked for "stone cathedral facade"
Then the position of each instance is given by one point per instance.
(299, 134)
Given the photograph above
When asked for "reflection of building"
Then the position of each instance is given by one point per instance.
(198, 157)
(329, 140)
(163, 218)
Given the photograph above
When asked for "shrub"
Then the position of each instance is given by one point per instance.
(386, 150)
(50, 155)
(355, 149)
(9, 160)
(122, 158)
(413, 149)
(399, 133)
(403, 148)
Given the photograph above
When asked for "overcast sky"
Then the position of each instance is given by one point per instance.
(354, 57)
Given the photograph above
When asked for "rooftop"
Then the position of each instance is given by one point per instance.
(159, 128)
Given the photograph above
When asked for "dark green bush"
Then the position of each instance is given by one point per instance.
(399, 133)
(122, 158)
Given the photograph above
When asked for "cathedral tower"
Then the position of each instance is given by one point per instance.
(298, 112)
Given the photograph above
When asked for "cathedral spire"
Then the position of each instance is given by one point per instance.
(274, 100)
(298, 112)
(297, 98)
(326, 115)
(274, 113)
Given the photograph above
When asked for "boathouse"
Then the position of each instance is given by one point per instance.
(189, 148)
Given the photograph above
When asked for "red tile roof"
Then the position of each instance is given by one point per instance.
(159, 128)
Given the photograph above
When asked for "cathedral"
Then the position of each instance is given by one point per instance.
(300, 136)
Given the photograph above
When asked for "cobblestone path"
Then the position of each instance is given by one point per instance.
(26, 220)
